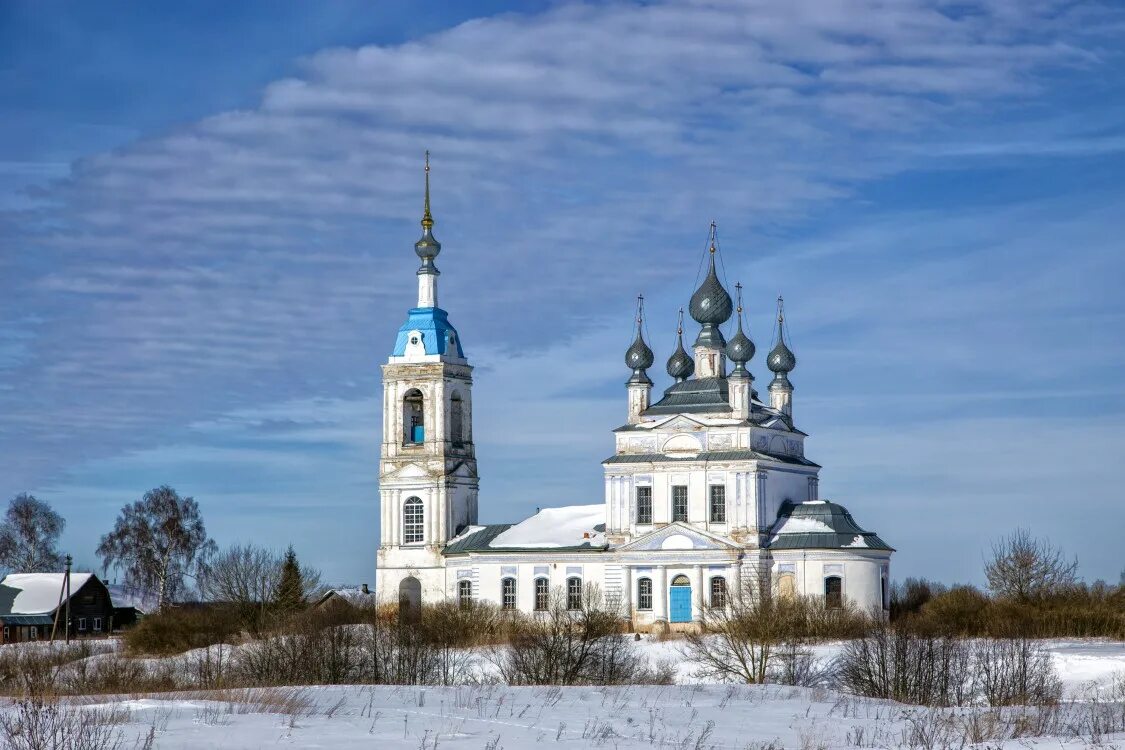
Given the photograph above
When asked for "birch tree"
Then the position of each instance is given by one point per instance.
(158, 541)
(29, 536)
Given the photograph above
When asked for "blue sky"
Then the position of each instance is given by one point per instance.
(207, 214)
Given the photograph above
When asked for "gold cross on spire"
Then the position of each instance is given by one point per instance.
(427, 218)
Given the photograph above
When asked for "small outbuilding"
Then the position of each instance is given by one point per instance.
(30, 604)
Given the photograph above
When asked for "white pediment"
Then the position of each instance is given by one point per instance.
(677, 536)
(679, 422)
(410, 471)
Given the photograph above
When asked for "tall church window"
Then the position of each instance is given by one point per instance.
(718, 503)
(413, 521)
(574, 593)
(644, 593)
(413, 421)
(465, 593)
(644, 505)
(508, 593)
(718, 592)
(542, 594)
(833, 592)
(679, 503)
(456, 419)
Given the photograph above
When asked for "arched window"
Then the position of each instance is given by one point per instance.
(542, 594)
(508, 593)
(456, 419)
(644, 593)
(465, 593)
(574, 593)
(786, 586)
(413, 522)
(833, 592)
(413, 423)
(718, 592)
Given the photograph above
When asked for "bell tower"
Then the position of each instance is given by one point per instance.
(428, 471)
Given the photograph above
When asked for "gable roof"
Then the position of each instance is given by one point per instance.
(819, 524)
(37, 593)
(675, 536)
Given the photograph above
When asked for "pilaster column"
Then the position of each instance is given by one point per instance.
(627, 593)
(660, 595)
(734, 581)
(697, 594)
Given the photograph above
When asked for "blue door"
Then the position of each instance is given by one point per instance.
(417, 433)
(680, 601)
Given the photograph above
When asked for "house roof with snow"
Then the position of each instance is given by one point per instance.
(356, 596)
(819, 524)
(573, 528)
(27, 594)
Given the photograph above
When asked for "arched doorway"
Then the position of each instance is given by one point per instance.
(410, 599)
(679, 600)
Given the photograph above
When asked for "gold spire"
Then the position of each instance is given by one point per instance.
(427, 218)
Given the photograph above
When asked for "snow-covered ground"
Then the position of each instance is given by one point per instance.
(681, 716)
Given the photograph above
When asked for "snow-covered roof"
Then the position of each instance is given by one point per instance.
(570, 526)
(819, 524)
(36, 593)
(353, 595)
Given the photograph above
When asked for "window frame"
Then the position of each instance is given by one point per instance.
(717, 492)
(643, 495)
(465, 593)
(413, 529)
(573, 593)
(718, 592)
(643, 595)
(81, 624)
(542, 594)
(829, 602)
(680, 514)
(97, 624)
(508, 598)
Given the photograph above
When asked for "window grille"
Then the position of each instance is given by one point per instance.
(644, 594)
(542, 594)
(644, 505)
(574, 593)
(508, 593)
(413, 521)
(718, 503)
(679, 503)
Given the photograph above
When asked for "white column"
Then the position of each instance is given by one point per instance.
(697, 594)
(734, 581)
(660, 594)
(627, 593)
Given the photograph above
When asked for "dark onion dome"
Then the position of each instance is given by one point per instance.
(711, 305)
(740, 349)
(680, 364)
(427, 247)
(781, 360)
(639, 356)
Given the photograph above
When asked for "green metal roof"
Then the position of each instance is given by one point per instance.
(27, 619)
(698, 395)
(840, 531)
(735, 455)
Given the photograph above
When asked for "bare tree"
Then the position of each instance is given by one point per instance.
(251, 579)
(1025, 568)
(29, 535)
(159, 540)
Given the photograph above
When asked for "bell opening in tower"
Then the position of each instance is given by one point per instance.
(413, 421)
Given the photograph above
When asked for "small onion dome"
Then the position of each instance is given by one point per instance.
(639, 356)
(680, 365)
(711, 305)
(427, 247)
(740, 350)
(781, 360)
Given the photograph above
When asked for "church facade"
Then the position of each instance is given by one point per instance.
(708, 490)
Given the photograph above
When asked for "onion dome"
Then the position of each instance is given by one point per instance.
(680, 364)
(639, 356)
(781, 360)
(740, 349)
(711, 306)
(427, 247)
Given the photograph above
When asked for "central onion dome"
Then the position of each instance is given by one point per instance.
(427, 247)
(740, 349)
(711, 305)
(680, 364)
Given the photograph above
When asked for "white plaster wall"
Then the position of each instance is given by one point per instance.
(862, 574)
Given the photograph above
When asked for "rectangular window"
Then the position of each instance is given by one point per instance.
(718, 592)
(97, 624)
(465, 594)
(508, 593)
(644, 505)
(7, 635)
(574, 593)
(542, 594)
(33, 633)
(644, 594)
(718, 503)
(413, 521)
(679, 504)
(81, 624)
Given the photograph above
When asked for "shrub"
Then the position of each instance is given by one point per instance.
(179, 629)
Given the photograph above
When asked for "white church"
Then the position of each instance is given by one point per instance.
(708, 486)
